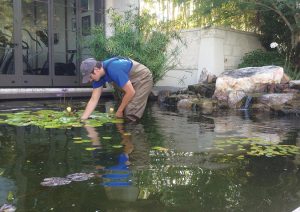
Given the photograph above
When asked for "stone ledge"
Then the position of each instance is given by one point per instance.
(24, 93)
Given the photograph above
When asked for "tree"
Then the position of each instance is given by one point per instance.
(276, 20)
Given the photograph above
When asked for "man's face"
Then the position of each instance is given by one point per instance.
(96, 74)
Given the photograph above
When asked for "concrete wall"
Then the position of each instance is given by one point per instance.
(213, 50)
(118, 5)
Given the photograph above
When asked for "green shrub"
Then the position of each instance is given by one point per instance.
(139, 37)
(262, 58)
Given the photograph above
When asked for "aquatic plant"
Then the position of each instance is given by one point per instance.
(256, 147)
(55, 119)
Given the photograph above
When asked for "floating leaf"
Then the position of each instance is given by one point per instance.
(10, 196)
(117, 146)
(159, 148)
(90, 148)
(106, 138)
(127, 133)
(258, 147)
(54, 119)
(1, 171)
(77, 138)
(241, 157)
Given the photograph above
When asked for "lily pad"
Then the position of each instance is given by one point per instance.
(159, 148)
(258, 147)
(117, 146)
(90, 148)
(54, 119)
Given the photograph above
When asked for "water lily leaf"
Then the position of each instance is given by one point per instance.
(53, 119)
(127, 133)
(10, 196)
(241, 157)
(159, 148)
(90, 148)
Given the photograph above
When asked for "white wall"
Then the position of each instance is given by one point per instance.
(212, 49)
(118, 5)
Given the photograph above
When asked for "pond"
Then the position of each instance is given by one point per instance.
(169, 161)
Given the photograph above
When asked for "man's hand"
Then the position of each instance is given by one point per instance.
(119, 114)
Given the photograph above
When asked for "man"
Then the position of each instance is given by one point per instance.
(132, 77)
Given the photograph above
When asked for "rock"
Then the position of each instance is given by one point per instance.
(231, 85)
(204, 89)
(275, 99)
(211, 78)
(205, 105)
(7, 208)
(55, 181)
(294, 84)
(185, 104)
(235, 98)
(206, 77)
(285, 79)
(80, 176)
(282, 103)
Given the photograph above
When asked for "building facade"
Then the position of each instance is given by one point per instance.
(41, 44)
(41, 40)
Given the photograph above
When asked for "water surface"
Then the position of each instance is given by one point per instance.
(177, 161)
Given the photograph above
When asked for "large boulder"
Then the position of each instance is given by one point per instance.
(233, 86)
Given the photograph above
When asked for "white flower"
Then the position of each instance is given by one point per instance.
(69, 109)
(273, 45)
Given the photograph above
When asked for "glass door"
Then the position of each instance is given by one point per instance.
(8, 44)
(35, 43)
(65, 37)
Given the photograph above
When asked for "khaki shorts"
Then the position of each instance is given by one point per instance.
(142, 81)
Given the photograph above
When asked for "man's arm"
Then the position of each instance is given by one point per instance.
(92, 103)
(129, 94)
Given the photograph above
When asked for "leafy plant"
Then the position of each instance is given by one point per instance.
(138, 37)
(262, 58)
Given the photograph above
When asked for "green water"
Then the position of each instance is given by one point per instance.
(177, 163)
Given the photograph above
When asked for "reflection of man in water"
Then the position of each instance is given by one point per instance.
(117, 178)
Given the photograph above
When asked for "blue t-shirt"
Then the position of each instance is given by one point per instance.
(116, 70)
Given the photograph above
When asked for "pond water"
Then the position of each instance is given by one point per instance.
(170, 161)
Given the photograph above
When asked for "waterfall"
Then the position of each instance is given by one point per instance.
(247, 103)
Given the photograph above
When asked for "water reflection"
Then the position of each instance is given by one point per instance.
(116, 175)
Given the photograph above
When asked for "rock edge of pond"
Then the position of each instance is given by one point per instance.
(267, 88)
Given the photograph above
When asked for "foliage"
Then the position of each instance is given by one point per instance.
(197, 13)
(138, 37)
(258, 147)
(262, 58)
(55, 119)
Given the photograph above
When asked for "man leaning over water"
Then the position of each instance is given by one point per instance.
(134, 79)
